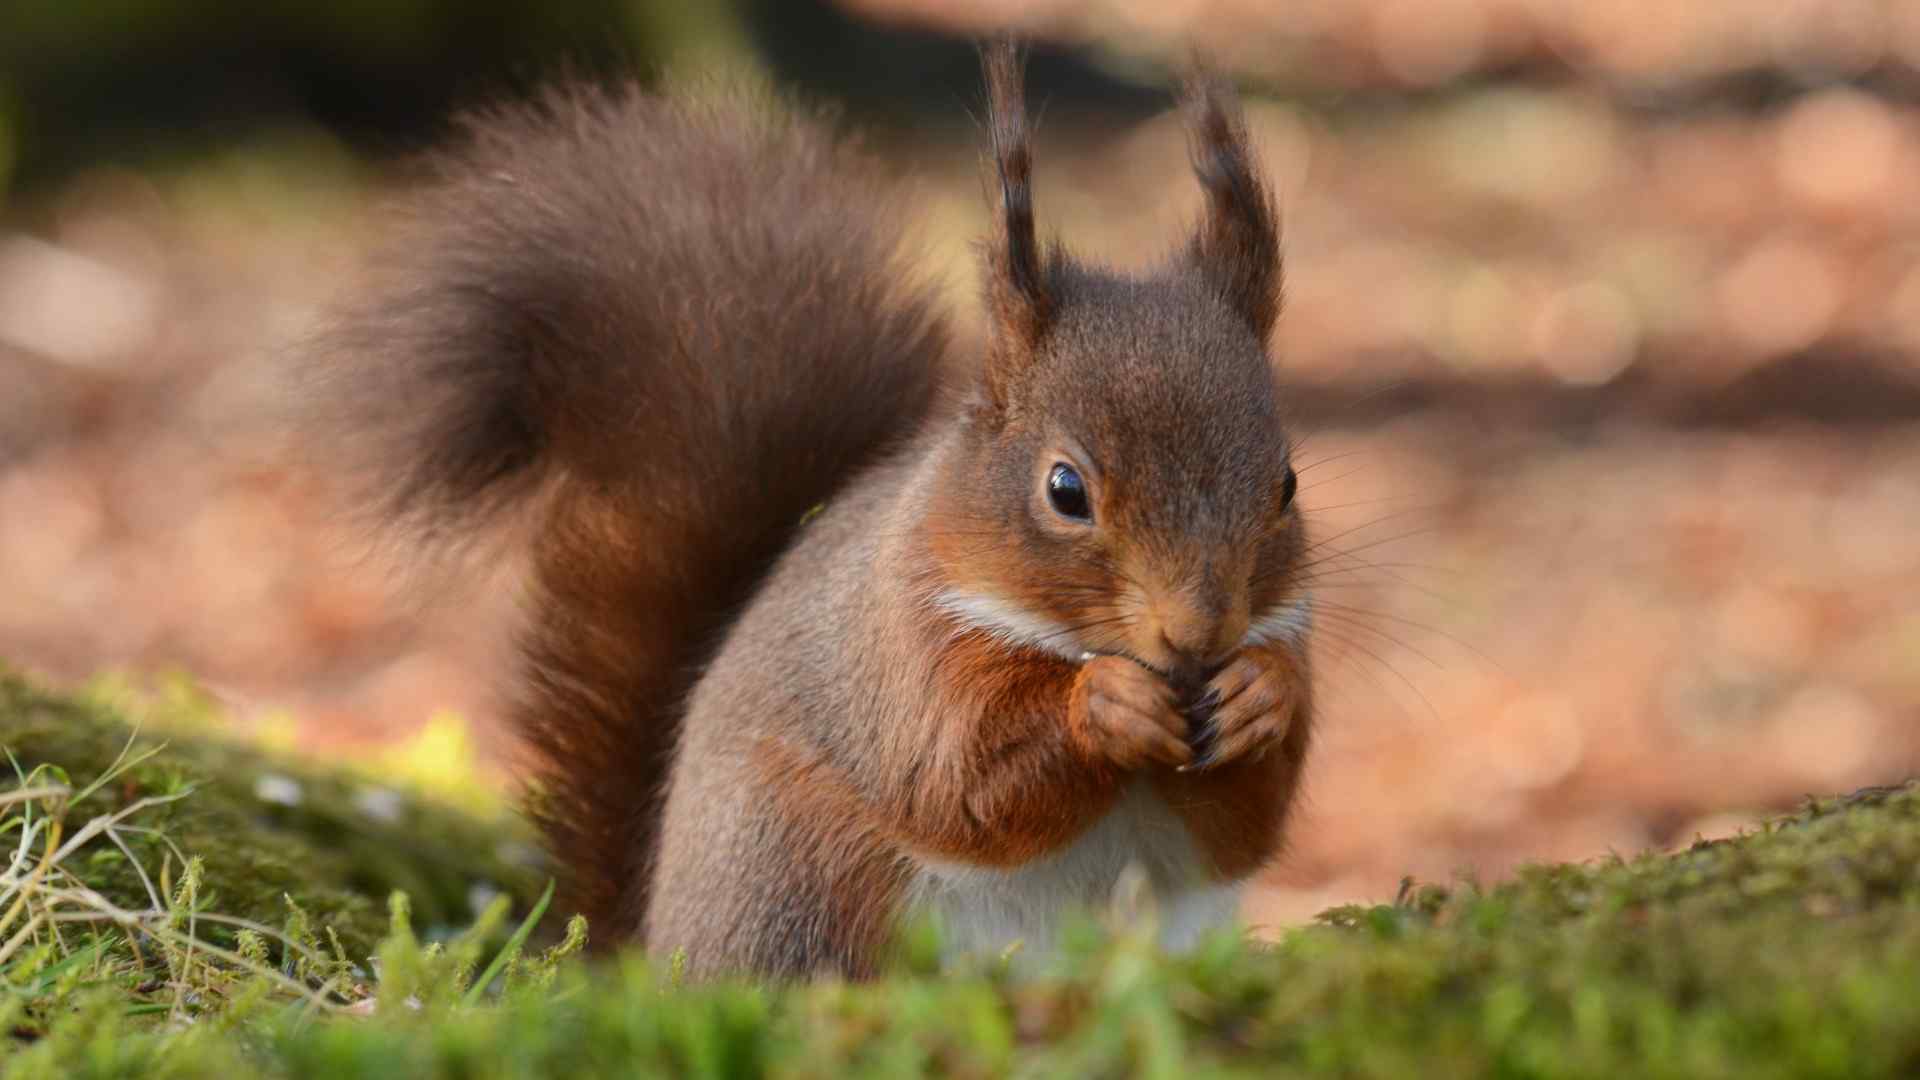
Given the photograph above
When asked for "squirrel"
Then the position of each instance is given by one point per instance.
(828, 627)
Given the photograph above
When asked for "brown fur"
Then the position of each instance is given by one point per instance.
(844, 853)
(1238, 243)
(667, 326)
(664, 330)
(1017, 290)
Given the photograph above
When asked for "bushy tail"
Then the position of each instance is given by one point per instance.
(656, 331)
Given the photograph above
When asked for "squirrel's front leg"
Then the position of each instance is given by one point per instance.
(1256, 722)
(1020, 765)
(1127, 715)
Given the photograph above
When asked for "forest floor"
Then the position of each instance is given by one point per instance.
(181, 904)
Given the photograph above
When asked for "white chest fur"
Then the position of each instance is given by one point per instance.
(984, 910)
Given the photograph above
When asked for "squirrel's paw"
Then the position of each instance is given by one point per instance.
(1246, 708)
(1128, 715)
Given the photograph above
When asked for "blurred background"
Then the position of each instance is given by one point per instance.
(1603, 332)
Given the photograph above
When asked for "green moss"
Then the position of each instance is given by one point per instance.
(266, 825)
(1792, 951)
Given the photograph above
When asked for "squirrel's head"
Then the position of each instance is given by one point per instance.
(1124, 481)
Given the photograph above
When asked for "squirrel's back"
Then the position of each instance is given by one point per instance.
(656, 330)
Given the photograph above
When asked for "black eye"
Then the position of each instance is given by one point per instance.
(1068, 493)
(1287, 484)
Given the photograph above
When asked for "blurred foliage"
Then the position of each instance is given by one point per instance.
(131, 81)
(7, 151)
(127, 81)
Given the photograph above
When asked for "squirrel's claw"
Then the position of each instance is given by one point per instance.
(1247, 707)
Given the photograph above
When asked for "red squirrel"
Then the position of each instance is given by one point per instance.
(814, 642)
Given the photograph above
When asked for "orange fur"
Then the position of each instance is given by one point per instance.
(1008, 781)
(1238, 810)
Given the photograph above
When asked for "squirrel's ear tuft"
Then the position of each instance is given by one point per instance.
(1237, 246)
(1018, 294)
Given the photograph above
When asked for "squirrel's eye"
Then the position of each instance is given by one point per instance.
(1067, 493)
(1287, 485)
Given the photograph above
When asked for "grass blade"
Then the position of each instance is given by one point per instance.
(510, 949)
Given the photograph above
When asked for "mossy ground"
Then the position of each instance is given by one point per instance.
(266, 825)
(1791, 951)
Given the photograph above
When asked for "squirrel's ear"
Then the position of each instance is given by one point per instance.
(1017, 289)
(1237, 246)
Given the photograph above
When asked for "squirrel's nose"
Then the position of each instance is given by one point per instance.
(1196, 651)
(1194, 632)
(1189, 671)
(1205, 627)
